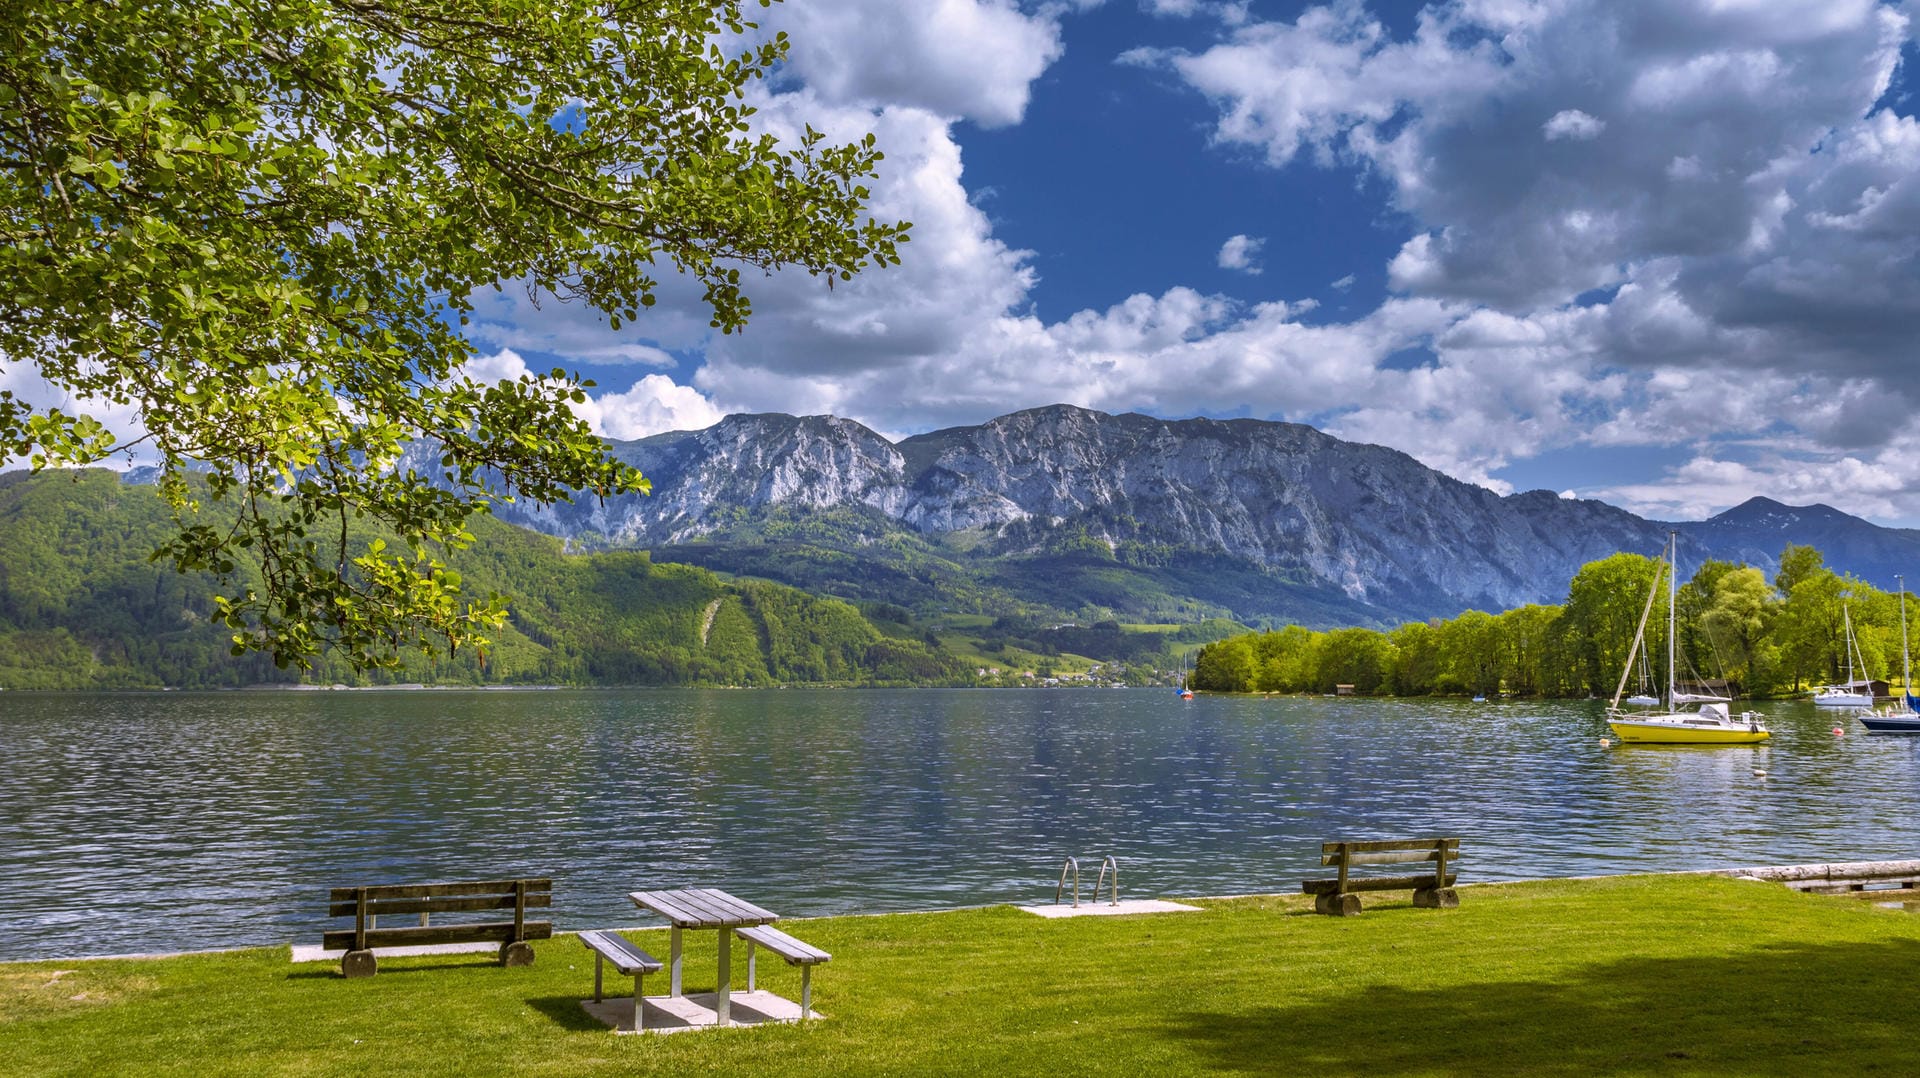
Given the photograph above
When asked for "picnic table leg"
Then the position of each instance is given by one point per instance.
(639, 1000)
(749, 965)
(673, 957)
(723, 996)
(806, 991)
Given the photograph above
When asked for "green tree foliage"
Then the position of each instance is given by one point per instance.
(1361, 658)
(1809, 634)
(1289, 660)
(1536, 647)
(1736, 620)
(1797, 563)
(1604, 604)
(257, 227)
(1473, 654)
(1225, 666)
(1416, 659)
(1733, 625)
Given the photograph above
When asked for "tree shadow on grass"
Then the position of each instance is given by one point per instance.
(1781, 1009)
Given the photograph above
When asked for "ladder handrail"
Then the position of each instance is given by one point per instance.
(1109, 870)
(1114, 893)
(1074, 865)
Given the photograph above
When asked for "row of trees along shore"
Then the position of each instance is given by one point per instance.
(1763, 638)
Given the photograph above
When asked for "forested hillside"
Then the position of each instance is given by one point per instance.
(1763, 638)
(81, 606)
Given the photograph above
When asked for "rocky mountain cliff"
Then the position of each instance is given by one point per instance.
(1362, 523)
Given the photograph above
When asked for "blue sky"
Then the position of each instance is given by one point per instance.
(1659, 252)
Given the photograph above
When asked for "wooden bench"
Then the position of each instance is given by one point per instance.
(366, 904)
(796, 952)
(627, 959)
(1432, 890)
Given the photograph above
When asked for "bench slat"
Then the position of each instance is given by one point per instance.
(674, 908)
(439, 890)
(412, 934)
(621, 952)
(1376, 883)
(1372, 845)
(1389, 858)
(796, 952)
(386, 906)
(707, 909)
(737, 909)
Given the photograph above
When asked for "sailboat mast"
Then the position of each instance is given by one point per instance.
(1906, 678)
(1846, 620)
(1673, 599)
(1639, 646)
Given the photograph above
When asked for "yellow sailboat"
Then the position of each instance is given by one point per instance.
(1711, 724)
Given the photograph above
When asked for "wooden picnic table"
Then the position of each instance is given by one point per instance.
(703, 907)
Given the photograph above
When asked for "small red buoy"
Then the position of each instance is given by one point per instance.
(1839, 732)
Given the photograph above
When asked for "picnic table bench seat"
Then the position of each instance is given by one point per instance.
(627, 959)
(796, 952)
(1431, 890)
(367, 904)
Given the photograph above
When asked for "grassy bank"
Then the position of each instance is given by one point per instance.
(1665, 975)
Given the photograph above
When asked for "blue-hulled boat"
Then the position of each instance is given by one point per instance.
(1896, 719)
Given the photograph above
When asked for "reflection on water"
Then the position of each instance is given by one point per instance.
(152, 822)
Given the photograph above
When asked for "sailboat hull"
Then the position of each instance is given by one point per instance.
(1842, 699)
(1685, 730)
(1891, 724)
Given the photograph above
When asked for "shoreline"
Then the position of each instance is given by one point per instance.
(1813, 877)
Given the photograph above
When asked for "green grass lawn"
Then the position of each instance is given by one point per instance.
(1650, 974)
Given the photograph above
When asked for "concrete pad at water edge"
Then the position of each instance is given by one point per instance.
(317, 953)
(668, 1014)
(1103, 909)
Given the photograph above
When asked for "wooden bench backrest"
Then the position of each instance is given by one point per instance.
(363, 904)
(440, 897)
(1391, 852)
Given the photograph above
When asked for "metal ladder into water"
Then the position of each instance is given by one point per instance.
(1109, 870)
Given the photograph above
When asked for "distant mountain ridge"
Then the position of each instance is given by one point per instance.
(1354, 532)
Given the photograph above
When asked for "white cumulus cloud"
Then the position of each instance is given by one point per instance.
(972, 59)
(1240, 252)
(1572, 124)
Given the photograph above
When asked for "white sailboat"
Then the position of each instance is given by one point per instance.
(1711, 724)
(1853, 692)
(1904, 717)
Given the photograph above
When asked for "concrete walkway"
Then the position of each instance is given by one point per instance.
(669, 1014)
(1106, 909)
(317, 953)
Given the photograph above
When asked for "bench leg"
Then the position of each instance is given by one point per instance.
(673, 959)
(639, 1001)
(1436, 898)
(359, 964)
(723, 995)
(1345, 905)
(598, 962)
(749, 965)
(806, 992)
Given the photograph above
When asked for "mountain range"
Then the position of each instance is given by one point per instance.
(1086, 513)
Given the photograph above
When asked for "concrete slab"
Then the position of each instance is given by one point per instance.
(317, 953)
(1103, 909)
(667, 1014)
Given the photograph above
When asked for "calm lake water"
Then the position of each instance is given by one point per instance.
(134, 822)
